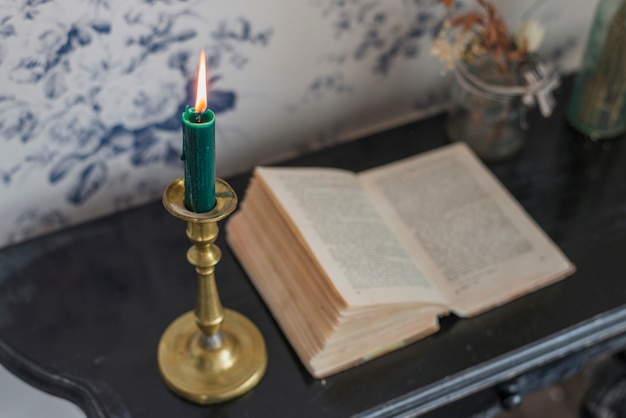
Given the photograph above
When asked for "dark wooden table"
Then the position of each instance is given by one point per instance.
(82, 311)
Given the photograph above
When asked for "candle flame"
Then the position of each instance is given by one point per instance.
(201, 89)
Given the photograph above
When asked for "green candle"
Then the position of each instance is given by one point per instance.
(199, 158)
(199, 149)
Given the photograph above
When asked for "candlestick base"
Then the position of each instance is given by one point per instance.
(203, 375)
(211, 354)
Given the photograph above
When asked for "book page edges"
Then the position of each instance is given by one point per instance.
(315, 360)
(298, 236)
(319, 372)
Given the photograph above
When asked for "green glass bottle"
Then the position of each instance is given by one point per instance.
(597, 106)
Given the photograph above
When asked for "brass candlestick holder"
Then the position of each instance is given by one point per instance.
(211, 354)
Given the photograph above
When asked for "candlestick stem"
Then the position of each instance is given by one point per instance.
(204, 255)
(210, 354)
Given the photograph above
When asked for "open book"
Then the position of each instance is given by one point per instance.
(356, 265)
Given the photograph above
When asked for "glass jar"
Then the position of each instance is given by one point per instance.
(597, 106)
(488, 106)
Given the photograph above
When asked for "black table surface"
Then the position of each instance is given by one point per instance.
(82, 310)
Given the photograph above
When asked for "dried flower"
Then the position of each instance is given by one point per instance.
(530, 33)
(450, 50)
(483, 32)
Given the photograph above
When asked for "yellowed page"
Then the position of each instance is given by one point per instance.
(349, 238)
(468, 234)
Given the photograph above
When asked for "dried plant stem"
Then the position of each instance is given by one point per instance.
(496, 132)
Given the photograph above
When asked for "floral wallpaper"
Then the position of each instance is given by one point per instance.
(92, 90)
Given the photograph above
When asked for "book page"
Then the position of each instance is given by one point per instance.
(468, 234)
(348, 237)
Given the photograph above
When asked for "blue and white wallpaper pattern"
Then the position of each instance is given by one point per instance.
(92, 90)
